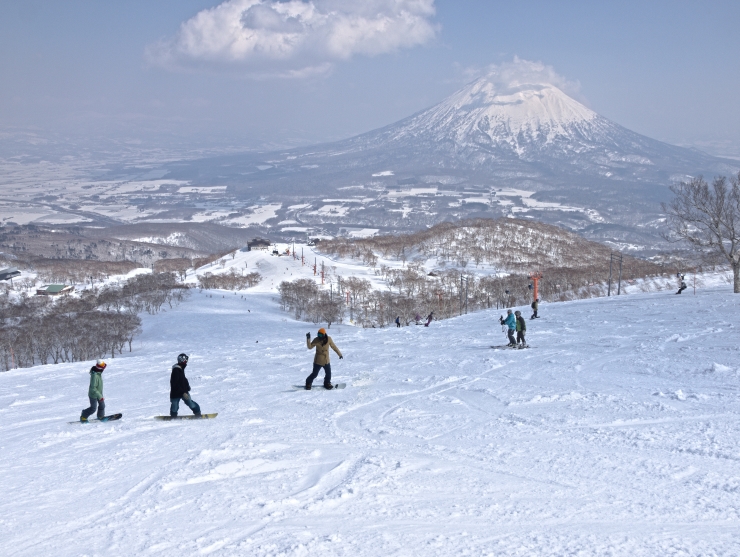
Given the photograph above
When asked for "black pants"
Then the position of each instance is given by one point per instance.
(534, 315)
(95, 403)
(398, 324)
(520, 337)
(315, 373)
(512, 340)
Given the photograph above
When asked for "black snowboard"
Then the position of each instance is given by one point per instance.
(321, 387)
(505, 347)
(111, 418)
(187, 417)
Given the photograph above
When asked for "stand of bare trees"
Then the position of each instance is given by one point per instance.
(708, 219)
(38, 330)
(309, 303)
(410, 292)
(75, 272)
(512, 244)
(229, 281)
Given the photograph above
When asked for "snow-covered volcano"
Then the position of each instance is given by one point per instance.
(516, 116)
(503, 135)
(569, 165)
(487, 125)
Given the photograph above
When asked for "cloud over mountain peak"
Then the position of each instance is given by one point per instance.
(294, 38)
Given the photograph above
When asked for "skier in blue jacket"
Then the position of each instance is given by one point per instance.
(510, 322)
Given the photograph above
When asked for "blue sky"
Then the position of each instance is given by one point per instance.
(162, 72)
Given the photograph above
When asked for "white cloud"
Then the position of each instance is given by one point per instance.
(519, 73)
(295, 38)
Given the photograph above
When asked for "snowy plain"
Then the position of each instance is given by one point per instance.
(617, 433)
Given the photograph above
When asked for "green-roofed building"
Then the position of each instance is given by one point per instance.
(54, 289)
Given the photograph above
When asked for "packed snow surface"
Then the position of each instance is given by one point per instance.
(617, 433)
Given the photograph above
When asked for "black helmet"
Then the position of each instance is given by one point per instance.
(182, 359)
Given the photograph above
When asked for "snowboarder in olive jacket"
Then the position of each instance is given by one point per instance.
(322, 342)
(95, 392)
(535, 307)
(180, 388)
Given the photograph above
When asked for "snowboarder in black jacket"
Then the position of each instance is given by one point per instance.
(682, 286)
(180, 388)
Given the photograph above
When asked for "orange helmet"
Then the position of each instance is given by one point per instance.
(322, 331)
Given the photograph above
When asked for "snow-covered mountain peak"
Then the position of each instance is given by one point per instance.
(513, 113)
(522, 106)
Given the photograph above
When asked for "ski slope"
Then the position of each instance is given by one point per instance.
(618, 433)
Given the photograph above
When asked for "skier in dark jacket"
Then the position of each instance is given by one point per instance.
(398, 321)
(535, 307)
(429, 318)
(95, 392)
(521, 328)
(180, 388)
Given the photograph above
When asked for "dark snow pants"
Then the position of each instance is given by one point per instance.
(315, 374)
(175, 404)
(520, 337)
(512, 340)
(534, 314)
(95, 403)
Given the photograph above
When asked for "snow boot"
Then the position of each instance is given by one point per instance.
(173, 414)
(328, 386)
(308, 386)
(83, 419)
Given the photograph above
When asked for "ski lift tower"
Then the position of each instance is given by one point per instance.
(535, 278)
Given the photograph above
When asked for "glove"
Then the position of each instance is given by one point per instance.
(101, 399)
(341, 357)
(308, 335)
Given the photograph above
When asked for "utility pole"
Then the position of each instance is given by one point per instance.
(535, 278)
(463, 291)
(466, 296)
(612, 257)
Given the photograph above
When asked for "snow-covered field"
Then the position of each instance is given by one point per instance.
(618, 433)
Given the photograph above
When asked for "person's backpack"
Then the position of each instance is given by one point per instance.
(533, 305)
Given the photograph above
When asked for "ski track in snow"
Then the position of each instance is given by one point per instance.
(618, 433)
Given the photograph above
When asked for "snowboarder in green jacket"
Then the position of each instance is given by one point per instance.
(95, 392)
(521, 329)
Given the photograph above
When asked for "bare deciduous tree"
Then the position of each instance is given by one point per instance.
(708, 218)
